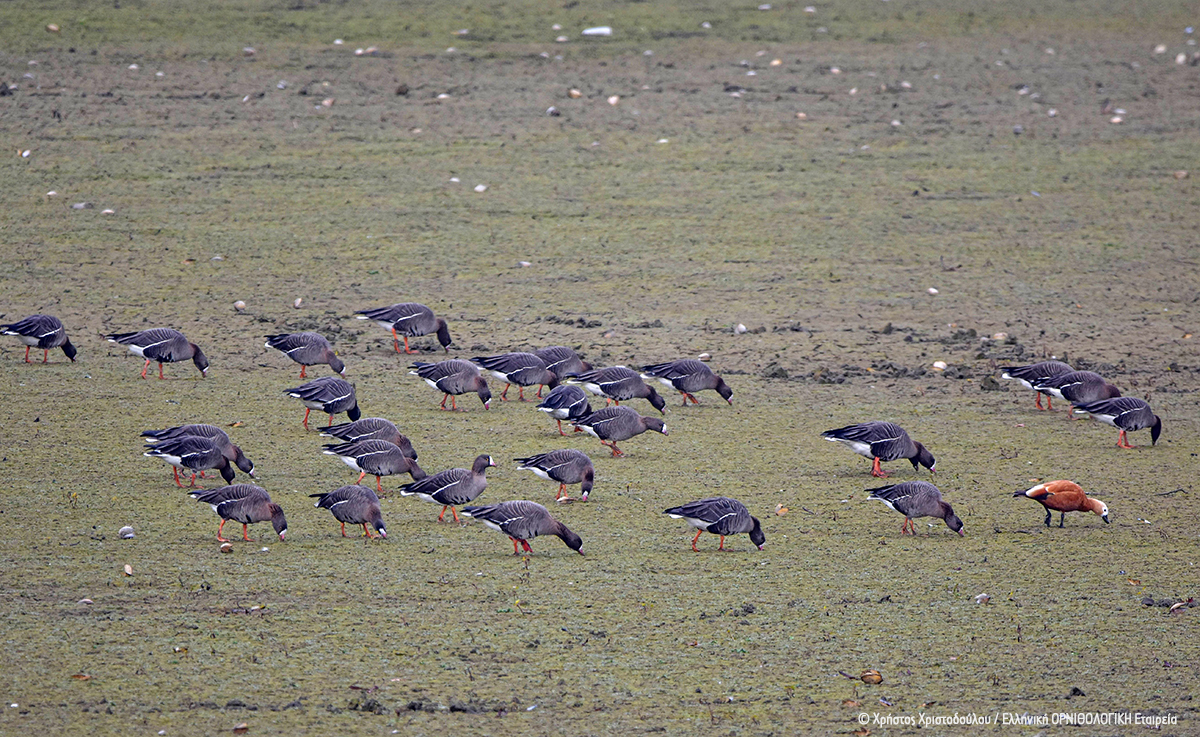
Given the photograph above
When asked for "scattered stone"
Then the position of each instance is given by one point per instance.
(82, 206)
(939, 365)
(240, 306)
(775, 371)
(481, 188)
(614, 100)
(53, 27)
(598, 31)
(128, 570)
(574, 94)
(739, 329)
(704, 357)
(126, 532)
(553, 112)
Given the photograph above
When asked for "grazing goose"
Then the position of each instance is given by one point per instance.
(306, 349)
(243, 503)
(567, 466)
(452, 378)
(355, 504)
(329, 394)
(370, 428)
(688, 376)
(917, 499)
(565, 402)
(195, 454)
(408, 320)
(163, 345)
(618, 383)
(1034, 373)
(721, 516)
(522, 521)
(453, 487)
(376, 457)
(42, 332)
(1077, 387)
(562, 360)
(882, 441)
(522, 369)
(1064, 496)
(617, 423)
(1127, 414)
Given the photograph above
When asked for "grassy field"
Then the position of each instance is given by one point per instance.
(652, 227)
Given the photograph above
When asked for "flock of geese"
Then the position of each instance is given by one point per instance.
(375, 446)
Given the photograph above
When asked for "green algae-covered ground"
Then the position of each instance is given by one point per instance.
(652, 227)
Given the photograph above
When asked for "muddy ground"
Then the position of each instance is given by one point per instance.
(652, 227)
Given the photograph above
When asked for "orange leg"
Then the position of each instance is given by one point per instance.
(246, 533)
(877, 471)
(722, 545)
(615, 450)
(694, 539)
(444, 398)
(561, 489)
(361, 476)
(406, 350)
(330, 419)
(516, 550)
(504, 394)
(525, 545)
(521, 393)
(343, 529)
(303, 368)
(443, 514)
(539, 392)
(455, 513)
(1123, 441)
(306, 411)
(45, 355)
(27, 353)
(367, 532)
(396, 341)
(560, 432)
(145, 368)
(176, 470)
(219, 528)
(453, 403)
(1049, 402)
(379, 484)
(160, 373)
(1038, 400)
(193, 484)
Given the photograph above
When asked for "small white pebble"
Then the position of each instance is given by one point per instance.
(739, 329)
(906, 85)
(706, 24)
(1160, 49)
(561, 40)
(662, 140)
(524, 264)
(776, 62)
(1050, 51)
(108, 211)
(358, 52)
(1052, 112)
(896, 124)
(25, 154)
(939, 365)
(704, 357)
(835, 70)
(85, 601)
(327, 102)
(1116, 119)
(764, 6)
(999, 336)
(239, 305)
(801, 116)
(451, 50)
(480, 187)
(810, 9)
(248, 51)
(854, 90)
(931, 290)
(264, 550)
(133, 67)
(556, 27)
(443, 96)
(751, 73)
(52, 193)
(1181, 58)
(282, 85)
(338, 42)
(454, 179)
(299, 301)
(613, 100)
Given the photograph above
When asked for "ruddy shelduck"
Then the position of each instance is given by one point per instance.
(1064, 496)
